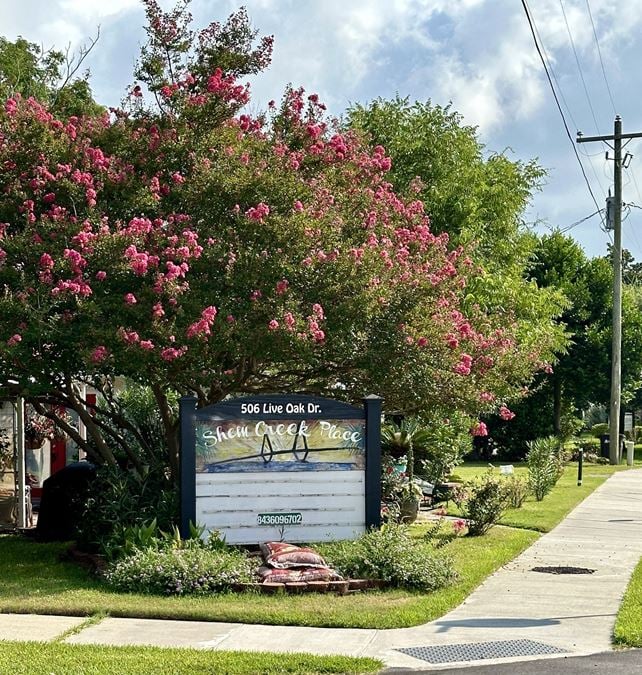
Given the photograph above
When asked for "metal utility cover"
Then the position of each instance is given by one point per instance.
(479, 651)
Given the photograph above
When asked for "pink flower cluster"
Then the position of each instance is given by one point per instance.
(258, 212)
(505, 413)
(204, 325)
(464, 365)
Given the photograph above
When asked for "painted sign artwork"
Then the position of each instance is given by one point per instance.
(246, 445)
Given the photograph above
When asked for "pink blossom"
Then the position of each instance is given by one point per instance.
(258, 212)
(479, 429)
(101, 276)
(99, 354)
(46, 261)
(158, 311)
(130, 299)
(505, 413)
(487, 397)
(282, 286)
(289, 320)
(273, 325)
(146, 344)
(317, 310)
(298, 206)
(14, 340)
(459, 525)
(171, 353)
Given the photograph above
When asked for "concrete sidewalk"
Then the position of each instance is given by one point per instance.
(520, 614)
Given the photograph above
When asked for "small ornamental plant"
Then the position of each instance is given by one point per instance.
(482, 502)
(392, 555)
(172, 571)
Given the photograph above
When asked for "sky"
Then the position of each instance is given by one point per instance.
(476, 54)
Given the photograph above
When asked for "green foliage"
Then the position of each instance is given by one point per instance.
(393, 555)
(482, 502)
(478, 198)
(28, 70)
(445, 444)
(180, 571)
(122, 508)
(544, 465)
(600, 429)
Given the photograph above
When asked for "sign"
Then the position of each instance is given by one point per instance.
(253, 466)
(628, 421)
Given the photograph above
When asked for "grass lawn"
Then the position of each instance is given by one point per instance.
(34, 580)
(628, 625)
(20, 658)
(566, 495)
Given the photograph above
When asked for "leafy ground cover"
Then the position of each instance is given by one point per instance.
(628, 625)
(566, 495)
(21, 658)
(35, 580)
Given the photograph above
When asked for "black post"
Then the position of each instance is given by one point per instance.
(372, 405)
(580, 462)
(187, 408)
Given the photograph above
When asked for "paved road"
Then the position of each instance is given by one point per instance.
(608, 663)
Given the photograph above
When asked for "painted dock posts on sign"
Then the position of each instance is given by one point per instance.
(281, 466)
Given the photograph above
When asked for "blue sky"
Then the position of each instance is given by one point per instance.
(476, 53)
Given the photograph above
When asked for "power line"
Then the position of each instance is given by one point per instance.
(580, 221)
(579, 67)
(588, 98)
(599, 52)
(557, 101)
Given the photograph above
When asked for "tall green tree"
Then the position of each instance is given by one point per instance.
(583, 373)
(51, 77)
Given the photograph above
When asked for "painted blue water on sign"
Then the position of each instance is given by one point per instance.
(245, 466)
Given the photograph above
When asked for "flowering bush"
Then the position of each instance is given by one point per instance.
(171, 571)
(393, 555)
(192, 247)
(482, 502)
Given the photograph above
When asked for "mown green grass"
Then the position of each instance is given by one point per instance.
(20, 658)
(628, 625)
(566, 495)
(35, 580)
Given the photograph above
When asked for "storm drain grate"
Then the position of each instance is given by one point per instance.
(563, 570)
(478, 651)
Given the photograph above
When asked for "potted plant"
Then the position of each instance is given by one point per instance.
(399, 443)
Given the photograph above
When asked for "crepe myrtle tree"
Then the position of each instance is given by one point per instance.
(185, 245)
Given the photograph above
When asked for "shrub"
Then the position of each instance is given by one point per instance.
(600, 429)
(589, 444)
(121, 500)
(516, 491)
(543, 462)
(482, 502)
(173, 571)
(393, 555)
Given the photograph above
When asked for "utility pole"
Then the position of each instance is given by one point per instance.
(616, 348)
